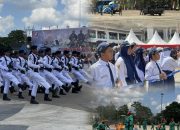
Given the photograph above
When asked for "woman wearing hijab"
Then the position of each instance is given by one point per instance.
(125, 66)
(140, 63)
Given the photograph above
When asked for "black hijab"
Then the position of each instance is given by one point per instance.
(127, 61)
(139, 60)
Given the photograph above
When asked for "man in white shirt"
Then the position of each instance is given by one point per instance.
(153, 72)
(104, 72)
(169, 64)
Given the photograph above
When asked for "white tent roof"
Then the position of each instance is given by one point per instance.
(175, 39)
(156, 39)
(133, 38)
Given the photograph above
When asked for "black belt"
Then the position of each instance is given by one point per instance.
(48, 69)
(35, 69)
(58, 69)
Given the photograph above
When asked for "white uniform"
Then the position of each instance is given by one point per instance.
(74, 63)
(50, 77)
(58, 71)
(101, 74)
(152, 71)
(1, 80)
(140, 74)
(65, 70)
(121, 71)
(170, 64)
(81, 70)
(116, 56)
(35, 76)
(7, 73)
(21, 65)
(163, 55)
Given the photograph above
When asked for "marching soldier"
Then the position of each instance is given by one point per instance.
(75, 68)
(58, 68)
(6, 69)
(21, 65)
(50, 77)
(172, 124)
(66, 69)
(36, 77)
(129, 122)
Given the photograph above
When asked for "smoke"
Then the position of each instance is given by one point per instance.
(117, 97)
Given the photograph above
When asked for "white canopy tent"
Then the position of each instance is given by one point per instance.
(133, 38)
(175, 39)
(156, 40)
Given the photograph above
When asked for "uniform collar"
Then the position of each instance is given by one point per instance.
(103, 62)
(48, 56)
(21, 57)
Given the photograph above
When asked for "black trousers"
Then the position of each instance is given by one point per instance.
(170, 81)
(130, 81)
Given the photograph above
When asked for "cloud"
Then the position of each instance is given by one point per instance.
(178, 98)
(6, 24)
(158, 108)
(33, 4)
(154, 103)
(67, 16)
(42, 16)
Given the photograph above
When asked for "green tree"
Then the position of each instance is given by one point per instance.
(142, 112)
(15, 39)
(172, 111)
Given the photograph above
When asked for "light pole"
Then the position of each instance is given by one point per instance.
(162, 94)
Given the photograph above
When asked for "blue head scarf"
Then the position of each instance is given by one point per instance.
(139, 60)
(129, 62)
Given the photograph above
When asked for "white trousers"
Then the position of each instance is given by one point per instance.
(8, 78)
(38, 80)
(79, 76)
(61, 77)
(52, 79)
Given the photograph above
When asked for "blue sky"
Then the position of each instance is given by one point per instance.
(18, 14)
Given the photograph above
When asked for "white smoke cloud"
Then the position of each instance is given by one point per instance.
(118, 97)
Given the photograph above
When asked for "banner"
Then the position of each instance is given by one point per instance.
(61, 38)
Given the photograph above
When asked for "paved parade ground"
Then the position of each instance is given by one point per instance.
(70, 112)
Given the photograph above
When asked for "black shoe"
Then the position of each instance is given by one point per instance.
(29, 92)
(54, 94)
(41, 89)
(74, 90)
(5, 97)
(2, 89)
(79, 88)
(23, 87)
(66, 88)
(46, 98)
(20, 96)
(61, 92)
(11, 89)
(33, 101)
